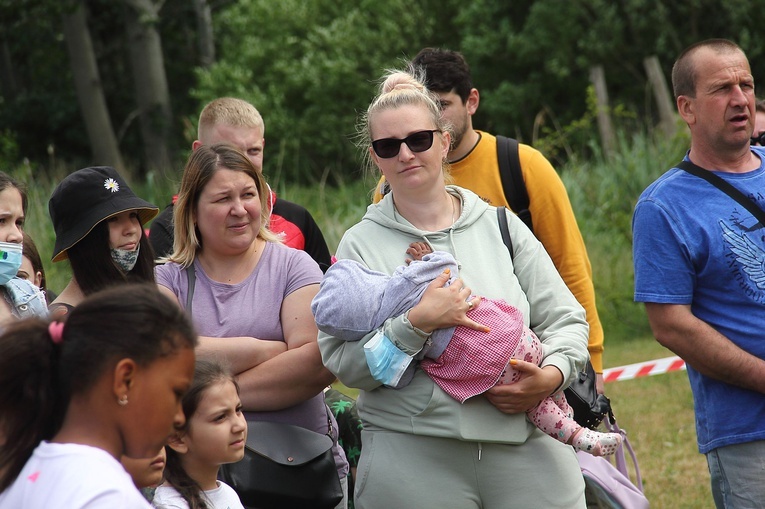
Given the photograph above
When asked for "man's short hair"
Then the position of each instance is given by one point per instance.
(684, 71)
(445, 70)
(230, 111)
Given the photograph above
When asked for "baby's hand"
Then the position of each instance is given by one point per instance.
(417, 250)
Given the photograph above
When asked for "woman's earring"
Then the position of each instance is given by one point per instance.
(123, 400)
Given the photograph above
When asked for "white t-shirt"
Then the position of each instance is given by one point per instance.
(73, 476)
(222, 497)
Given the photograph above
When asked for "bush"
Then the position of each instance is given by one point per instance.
(603, 194)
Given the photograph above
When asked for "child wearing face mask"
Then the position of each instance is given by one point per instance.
(99, 224)
(20, 298)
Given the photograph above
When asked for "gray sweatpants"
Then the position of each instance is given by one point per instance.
(400, 470)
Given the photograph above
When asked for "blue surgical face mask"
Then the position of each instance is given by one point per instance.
(10, 261)
(386, 362)
(125, 260)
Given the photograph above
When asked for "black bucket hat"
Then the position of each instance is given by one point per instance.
(87, 197)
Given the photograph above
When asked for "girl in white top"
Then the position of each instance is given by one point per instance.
(75, 397)
(214, 434)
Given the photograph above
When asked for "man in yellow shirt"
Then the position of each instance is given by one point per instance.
(474, 165)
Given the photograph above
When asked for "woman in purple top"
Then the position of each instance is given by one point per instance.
(251, 297)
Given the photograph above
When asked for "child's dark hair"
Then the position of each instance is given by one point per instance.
(92, 265)
(7, 181)
(206, 374)
(40, 370)
(29, 250)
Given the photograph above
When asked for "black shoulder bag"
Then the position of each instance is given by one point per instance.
(284, 466)
(589, 407)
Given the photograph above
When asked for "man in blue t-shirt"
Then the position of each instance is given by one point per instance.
(700, 267)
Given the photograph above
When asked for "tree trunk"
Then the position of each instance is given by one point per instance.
(205, 37)
(90, 93)
(150, 83)
(598, 79)
(8, 82)
(664, 102)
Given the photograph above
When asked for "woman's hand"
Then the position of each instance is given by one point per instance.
(444, 306)
(535, 385)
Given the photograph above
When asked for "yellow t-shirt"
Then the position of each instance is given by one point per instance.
(551, 214)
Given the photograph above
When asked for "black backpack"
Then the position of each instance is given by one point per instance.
(512, 179)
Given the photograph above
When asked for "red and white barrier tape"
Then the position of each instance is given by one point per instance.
(648, 368)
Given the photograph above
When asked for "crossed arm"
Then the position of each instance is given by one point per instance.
(273, 375)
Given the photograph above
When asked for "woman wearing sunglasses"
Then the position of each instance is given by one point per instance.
(482, 453)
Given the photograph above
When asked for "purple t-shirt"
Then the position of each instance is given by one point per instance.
(252, 308)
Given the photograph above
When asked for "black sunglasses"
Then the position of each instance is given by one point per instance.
(758, 140)
(417, 142)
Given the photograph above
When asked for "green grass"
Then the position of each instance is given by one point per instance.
(657, 413)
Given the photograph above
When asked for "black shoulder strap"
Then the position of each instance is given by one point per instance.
(726, 187)
(504, 230)
(512, 178)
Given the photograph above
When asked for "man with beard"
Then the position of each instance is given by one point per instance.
(474, 165)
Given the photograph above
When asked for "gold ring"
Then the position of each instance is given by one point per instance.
(470, 305)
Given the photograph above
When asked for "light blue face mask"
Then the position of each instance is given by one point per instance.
(386, 362)
(125, 260)
(10, 261)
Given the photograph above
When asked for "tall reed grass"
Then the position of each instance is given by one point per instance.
(603, 193)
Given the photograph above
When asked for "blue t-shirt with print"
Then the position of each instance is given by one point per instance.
(693, 244)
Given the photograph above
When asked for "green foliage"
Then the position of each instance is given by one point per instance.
(533, 57)
(9, 149)
(603, 193)
(309, 67)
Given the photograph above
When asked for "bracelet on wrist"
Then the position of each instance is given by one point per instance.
(419, 332)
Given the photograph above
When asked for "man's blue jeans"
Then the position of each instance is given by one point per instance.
(738, 475)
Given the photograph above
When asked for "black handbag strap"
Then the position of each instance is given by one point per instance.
(725, 186)
(191, 277)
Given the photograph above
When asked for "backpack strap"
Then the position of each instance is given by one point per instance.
(512, 178)
(504, 230)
